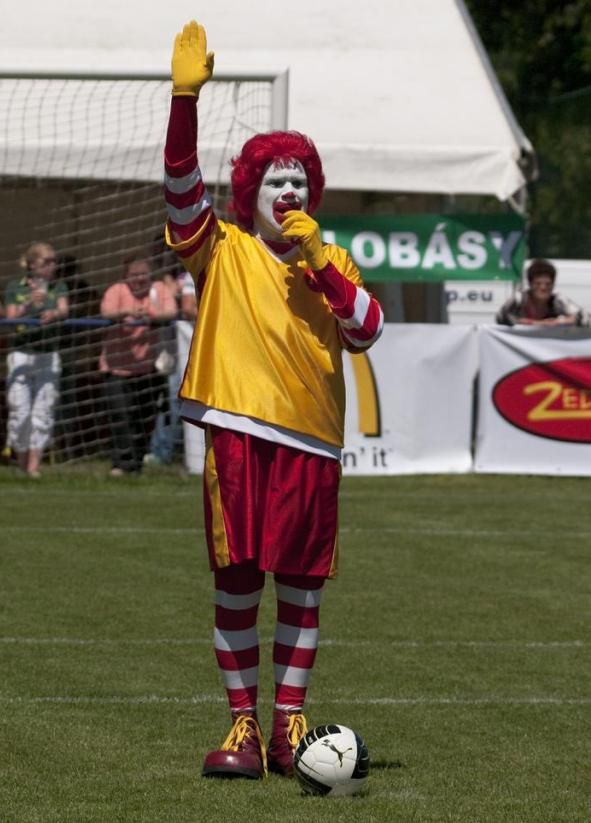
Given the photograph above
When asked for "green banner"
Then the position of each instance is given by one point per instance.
(430, 247)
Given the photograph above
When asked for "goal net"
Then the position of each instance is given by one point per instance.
(81, 169)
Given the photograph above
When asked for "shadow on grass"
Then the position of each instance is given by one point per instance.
(385, 765)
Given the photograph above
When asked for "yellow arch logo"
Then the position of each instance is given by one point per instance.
(368, 406)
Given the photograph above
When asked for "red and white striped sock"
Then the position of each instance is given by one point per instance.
(238, 591)
(296, 637)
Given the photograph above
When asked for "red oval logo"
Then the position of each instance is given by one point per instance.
(548, 399)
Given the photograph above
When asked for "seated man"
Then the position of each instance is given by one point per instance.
(539, 305)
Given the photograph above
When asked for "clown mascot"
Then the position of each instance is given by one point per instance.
(265, 380)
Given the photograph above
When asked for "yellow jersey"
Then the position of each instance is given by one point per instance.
(265, 345)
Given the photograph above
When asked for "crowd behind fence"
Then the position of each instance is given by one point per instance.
(88, 372)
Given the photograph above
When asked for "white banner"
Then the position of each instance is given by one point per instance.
(422, 391)
(534, 411)
(409, 402)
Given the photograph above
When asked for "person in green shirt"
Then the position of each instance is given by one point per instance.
(33, 363)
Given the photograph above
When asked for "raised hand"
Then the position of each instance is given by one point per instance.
(305, 231)
(192, 65)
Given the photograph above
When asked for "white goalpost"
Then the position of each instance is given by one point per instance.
(81, 167)
(111, 126)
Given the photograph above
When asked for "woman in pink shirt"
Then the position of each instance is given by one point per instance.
(133, 387)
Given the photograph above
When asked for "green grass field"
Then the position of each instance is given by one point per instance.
(455, 640)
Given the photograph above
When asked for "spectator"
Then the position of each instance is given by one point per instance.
(539, 305)
(34, 364)
(134, 389)
(167, 432)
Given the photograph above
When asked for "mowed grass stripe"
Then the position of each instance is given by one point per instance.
(402, 530)
(487, 489)
(201, 641)
(155, 699)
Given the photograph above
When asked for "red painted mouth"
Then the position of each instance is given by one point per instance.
(280, 208)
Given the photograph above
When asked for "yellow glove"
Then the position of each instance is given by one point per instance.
(299, 226)
(192, 66)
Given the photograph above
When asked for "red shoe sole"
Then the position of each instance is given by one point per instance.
(230, 773)
(232, 764)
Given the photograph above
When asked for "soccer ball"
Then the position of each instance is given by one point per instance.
(331, 761)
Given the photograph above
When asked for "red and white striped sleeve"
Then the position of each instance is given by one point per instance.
(358, 313)
(191, 220)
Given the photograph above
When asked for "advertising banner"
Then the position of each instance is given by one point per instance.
(431, 248)
(534, 401)
(409, 401)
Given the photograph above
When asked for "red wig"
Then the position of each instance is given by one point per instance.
(249, 166)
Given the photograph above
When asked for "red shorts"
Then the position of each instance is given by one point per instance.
(269, 503)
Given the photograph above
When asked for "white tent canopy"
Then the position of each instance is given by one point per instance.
(397, 94)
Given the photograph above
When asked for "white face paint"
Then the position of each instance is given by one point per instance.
(284, 186)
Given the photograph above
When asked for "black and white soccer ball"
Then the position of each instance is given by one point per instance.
(331, 761)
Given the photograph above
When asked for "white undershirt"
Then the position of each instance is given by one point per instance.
(195, 412)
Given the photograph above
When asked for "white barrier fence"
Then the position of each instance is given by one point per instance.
(411, 409)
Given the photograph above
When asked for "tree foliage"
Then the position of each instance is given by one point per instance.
(541, 52)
